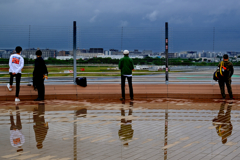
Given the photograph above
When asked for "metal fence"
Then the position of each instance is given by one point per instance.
(212, 41)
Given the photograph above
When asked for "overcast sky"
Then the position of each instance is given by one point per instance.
(135, 16)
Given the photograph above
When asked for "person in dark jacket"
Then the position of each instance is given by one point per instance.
(40, 127)
(126, 66)
(39, 74)
(223, 122)
(226, 71)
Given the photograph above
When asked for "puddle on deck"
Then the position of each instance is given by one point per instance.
(95, 130)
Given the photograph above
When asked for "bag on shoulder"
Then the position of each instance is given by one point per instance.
(220, 72)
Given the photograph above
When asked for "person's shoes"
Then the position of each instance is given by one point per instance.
(8, 86)
(38, 99)
(232, 98)
(17, 100)
(131, 99)
(122, 99)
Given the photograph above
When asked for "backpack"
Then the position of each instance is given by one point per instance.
(220, 73)
(81, 81)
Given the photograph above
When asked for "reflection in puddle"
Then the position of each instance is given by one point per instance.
(40, 127)
(126, 132)
(158, 129)
(17, 138)
(223, 122)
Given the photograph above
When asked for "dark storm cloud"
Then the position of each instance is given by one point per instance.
(104, 11)
(199, 16)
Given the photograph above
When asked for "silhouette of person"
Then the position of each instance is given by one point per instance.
(17, 139)
(126, 132)
(40, 127)
(223, 122)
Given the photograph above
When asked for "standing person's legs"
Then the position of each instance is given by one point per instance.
(123, 85)
(41, 89)
(18, 79)
(11, 79)
(229, 88)
(222, 88)
(130, 86)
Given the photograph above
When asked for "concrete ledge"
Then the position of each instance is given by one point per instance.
(113, 91)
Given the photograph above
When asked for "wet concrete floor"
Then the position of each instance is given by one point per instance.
(167, 129)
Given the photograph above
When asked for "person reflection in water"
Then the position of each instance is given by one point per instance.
(17, 139)
(40, 127)
(126, 132)
(223, 122)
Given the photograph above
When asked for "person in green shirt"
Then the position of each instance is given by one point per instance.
(126, 66)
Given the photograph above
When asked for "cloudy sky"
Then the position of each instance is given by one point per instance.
(121, 24)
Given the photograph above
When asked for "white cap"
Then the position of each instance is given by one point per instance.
(125, 52)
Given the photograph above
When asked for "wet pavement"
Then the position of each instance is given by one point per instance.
(172, 129)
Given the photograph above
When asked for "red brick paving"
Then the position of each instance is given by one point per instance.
(113, 91)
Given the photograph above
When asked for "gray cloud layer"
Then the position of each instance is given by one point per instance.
(131, 13)
(113, 12)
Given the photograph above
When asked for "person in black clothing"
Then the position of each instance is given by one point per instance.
(223, 122)
(226, 71)
(39, 74)
(40, 127)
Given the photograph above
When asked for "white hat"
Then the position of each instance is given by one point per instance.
(125, 52)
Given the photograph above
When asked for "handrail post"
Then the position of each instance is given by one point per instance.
(166, 50)
(74, 52)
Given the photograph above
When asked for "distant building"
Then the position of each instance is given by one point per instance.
(49, 53)
(64, 57)
(191, 52)
(6, 53)
(113, 50)
(233, 53)
(28, 53)
(116, 53)
(96, 50)
(67, 53)
(170, 55)
(134, 52)
(89, 55)
(107, 52)
(147, 52)
(61, 53)
(46, 53)
(2, 52)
